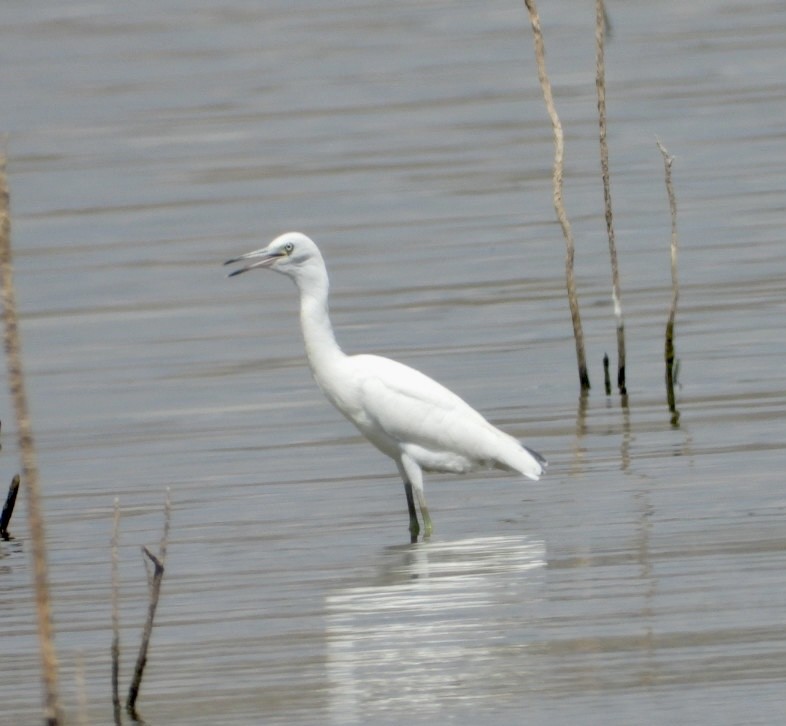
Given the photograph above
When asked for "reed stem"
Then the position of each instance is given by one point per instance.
(35, 518)
(557, 182)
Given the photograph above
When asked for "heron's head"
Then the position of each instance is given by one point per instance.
(292, 254)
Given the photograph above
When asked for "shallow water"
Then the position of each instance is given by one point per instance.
(640, 581)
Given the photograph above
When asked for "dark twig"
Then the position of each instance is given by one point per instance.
(116, 616)
(616, 292)
(8, 508)
(154, 587)
(670, 355)
(559, 206)
(141, 662)
(606, 375)
(165, 534)
(35, 519)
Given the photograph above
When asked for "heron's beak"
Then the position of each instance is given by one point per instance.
(263, 258)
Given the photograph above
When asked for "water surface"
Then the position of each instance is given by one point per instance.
(640, 581)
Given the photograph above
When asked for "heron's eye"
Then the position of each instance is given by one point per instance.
(288, 247)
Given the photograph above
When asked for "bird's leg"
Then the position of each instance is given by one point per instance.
(412, 475)
(414, 527)
(410, 472)
(427, 527)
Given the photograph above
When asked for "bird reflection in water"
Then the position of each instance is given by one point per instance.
(441, 623)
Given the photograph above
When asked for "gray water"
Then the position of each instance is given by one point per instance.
(641, 581)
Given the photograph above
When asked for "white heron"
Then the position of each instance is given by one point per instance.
(417, 422)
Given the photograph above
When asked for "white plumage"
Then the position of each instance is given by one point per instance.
(413, 419)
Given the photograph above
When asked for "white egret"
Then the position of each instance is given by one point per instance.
(413, 419)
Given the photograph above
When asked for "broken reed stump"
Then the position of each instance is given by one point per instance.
(606, 374)
(8, 508)
(669, 353)
(616, 292)
(35, 518)
(154, 591)
(559, 206)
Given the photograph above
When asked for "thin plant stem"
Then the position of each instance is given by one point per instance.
(154, 587)
(559, 206)
(8, 508)
(81, 690)
(116, 615)
(669, 352)
(616, 292)
(35, 519)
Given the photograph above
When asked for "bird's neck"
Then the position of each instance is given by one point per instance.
(322, 349)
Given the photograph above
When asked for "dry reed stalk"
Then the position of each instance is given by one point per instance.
(35, 519)
(81, 691)
(559, 206)
(154, 587)
(675, 289)
(616, 292)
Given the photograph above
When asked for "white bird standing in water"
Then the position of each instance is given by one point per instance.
(417, 422)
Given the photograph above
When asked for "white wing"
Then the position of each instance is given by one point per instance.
(404, 408)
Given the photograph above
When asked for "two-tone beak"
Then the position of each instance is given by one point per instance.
(262, 258)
